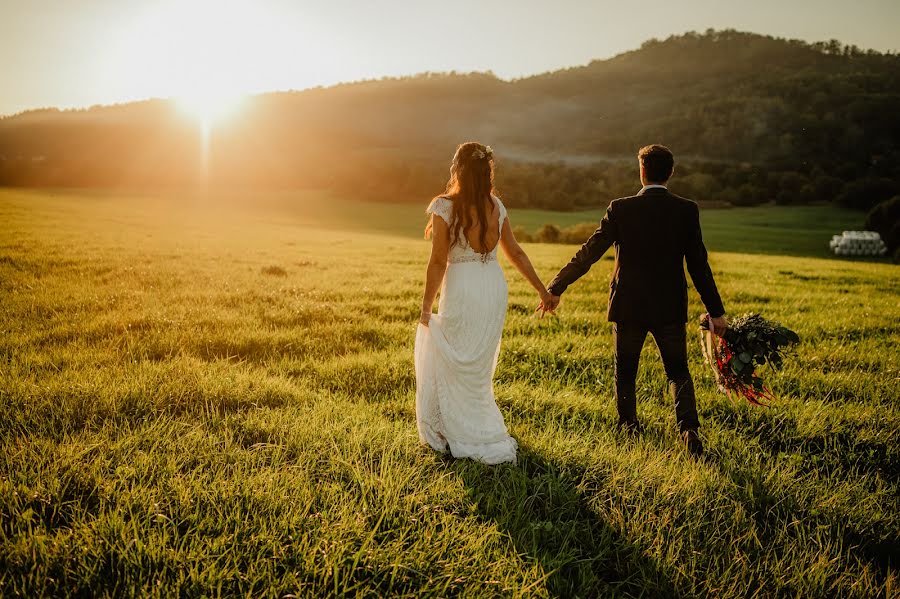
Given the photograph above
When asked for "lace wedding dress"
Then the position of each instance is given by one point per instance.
(456, 356)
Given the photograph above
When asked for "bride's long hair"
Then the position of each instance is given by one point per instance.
(471, 186)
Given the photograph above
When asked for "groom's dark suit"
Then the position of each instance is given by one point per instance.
(654, 233)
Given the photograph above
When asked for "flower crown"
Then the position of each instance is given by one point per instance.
(478, 154)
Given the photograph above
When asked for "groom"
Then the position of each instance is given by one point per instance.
(654, 233)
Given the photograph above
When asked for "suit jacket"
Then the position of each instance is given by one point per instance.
(654, 233)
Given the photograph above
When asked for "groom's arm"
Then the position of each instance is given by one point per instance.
(592, 250)
(698, 266)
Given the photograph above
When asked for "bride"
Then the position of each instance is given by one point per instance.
(457, 349)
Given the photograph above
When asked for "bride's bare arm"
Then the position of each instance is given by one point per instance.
(437, 265)
(515, 254)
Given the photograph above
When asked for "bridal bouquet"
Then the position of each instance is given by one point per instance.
(749, 341)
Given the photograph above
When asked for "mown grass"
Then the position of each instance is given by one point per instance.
(208, 401)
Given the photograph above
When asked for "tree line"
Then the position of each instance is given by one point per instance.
(751, 119)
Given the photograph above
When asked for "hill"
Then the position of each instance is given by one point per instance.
(752, 117)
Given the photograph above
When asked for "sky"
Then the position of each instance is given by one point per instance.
(74, 53)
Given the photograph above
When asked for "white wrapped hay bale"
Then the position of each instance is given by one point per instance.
(858, 243)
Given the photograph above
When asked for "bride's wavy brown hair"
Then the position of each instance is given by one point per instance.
(470, 187)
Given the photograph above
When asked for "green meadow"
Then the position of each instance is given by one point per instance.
(214, 396)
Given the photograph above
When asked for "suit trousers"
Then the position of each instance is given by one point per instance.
(671, 340)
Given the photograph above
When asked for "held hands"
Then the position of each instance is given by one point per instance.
(549, 303)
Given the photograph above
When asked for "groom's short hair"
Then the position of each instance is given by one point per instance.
(658, 162)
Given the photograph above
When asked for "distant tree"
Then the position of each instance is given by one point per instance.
(785, 197)
(833, 47)
(749, 195)
(807, 194)
(522, 235)
(827, 187)
(864, 194)
(577, 234)
(698, 185)
(548, 234)
(794, 188)
(791, 181)
(885, 218)
(728, 195)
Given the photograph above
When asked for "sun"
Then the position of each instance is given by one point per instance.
(210, 106)
(200, 53)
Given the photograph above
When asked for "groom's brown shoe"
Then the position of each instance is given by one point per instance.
(692, 442)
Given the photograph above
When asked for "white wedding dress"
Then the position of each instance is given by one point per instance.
(456, 356)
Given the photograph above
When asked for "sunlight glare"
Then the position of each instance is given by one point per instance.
(210, 106)
(199, 52)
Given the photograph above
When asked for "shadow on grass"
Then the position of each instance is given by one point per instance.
(777, 515)
(842, 454)
(548, 521)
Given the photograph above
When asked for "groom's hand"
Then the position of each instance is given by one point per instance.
(718, 325)
(554, 302)
(549, 303)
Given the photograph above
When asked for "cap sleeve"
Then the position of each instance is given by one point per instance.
(502, 208)
(441, 207)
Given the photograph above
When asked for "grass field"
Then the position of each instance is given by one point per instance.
(206, 400)
(783, 230)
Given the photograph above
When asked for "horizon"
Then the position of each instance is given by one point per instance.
(208, 55)
(398, 77)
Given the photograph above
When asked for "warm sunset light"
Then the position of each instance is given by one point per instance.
(482, 298)
(209, 106)
(196, 51)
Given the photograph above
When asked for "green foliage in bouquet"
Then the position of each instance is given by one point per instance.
(750, 341)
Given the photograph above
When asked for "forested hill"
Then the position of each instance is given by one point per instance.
(750, 117)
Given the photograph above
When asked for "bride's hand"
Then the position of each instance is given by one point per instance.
(547, 303)
(424, 318)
